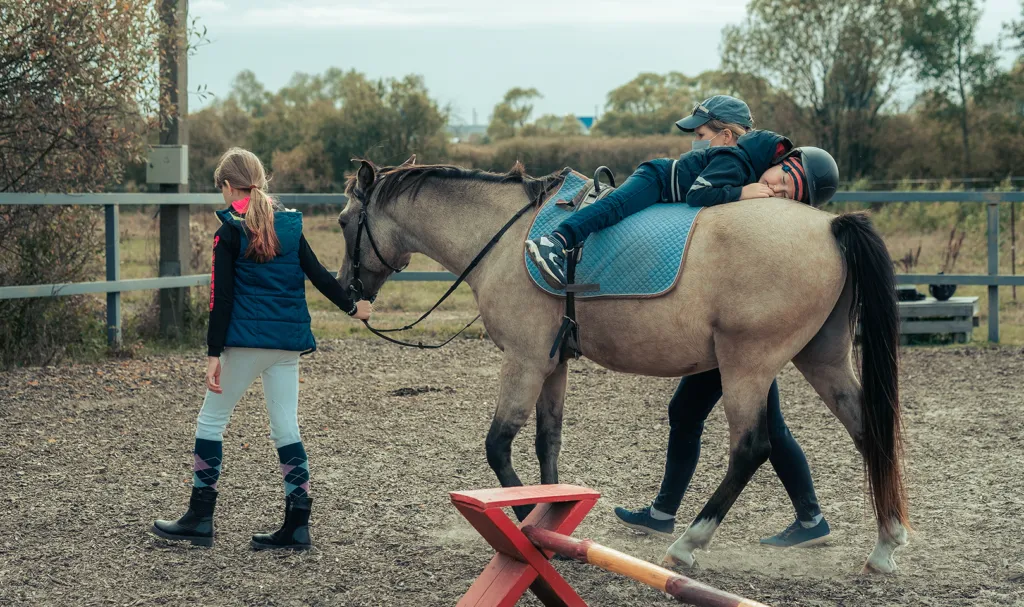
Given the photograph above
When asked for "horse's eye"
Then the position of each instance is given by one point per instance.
(342, 223)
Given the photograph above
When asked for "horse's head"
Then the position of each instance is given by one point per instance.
(372, 246)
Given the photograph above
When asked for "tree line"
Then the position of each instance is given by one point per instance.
(894, 89)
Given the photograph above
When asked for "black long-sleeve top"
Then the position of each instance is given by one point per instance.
(226, 248)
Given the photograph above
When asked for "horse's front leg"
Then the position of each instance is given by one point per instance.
(744, 400)
(549, 424)
(521, 384)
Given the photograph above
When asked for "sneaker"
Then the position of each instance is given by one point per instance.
(798, 536)
(548, 254)
(641, 520)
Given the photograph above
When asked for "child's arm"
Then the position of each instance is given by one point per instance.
(323, 280)
(722, 181)
(222, 288)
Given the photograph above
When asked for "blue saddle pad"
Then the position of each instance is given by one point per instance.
(641, 256)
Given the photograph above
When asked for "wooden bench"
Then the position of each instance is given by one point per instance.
(957, 317)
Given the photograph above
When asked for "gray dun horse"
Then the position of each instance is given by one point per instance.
(766, 282)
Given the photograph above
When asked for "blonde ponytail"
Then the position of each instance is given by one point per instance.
(259, 220)
(244, 171)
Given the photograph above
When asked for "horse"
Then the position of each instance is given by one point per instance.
(766, 282)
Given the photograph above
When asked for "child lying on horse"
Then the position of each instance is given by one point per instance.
(757, 164)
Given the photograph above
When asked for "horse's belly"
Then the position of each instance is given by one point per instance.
(660, 337)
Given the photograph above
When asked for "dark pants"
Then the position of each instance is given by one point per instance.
(690, 406)
(647, 186)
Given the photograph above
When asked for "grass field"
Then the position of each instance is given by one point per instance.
(906, 227)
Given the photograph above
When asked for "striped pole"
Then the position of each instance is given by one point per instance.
(681, 587)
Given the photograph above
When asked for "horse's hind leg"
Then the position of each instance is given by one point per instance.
(549, 424)
(827, 364)
(744, 398)
(520, 386)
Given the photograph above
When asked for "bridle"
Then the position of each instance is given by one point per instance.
(356, 285)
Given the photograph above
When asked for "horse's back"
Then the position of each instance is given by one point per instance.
(762, 273)
(765, 225)
(768, 262)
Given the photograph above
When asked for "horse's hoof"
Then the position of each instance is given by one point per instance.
(884, 568)
(681, 561)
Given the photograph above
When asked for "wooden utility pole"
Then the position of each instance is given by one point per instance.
(174, 232)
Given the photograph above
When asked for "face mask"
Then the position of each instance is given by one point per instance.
(703, 144)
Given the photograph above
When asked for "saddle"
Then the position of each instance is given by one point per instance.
(590, 193)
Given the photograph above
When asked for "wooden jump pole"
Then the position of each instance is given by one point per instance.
(678, 586)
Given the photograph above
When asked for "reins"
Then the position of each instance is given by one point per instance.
(356, 285)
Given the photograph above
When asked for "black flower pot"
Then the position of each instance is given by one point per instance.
(942, 292)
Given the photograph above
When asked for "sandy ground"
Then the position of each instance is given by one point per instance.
(93, 454)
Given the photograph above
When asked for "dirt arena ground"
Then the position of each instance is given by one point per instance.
(92, 454)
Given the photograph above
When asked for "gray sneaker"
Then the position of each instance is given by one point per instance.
(548, 254)
(798, 536)
(641, 520)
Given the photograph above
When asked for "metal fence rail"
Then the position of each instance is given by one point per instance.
(113, 286)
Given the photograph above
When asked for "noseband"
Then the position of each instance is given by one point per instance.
(356, 286)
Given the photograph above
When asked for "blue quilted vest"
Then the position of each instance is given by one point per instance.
(270, 298)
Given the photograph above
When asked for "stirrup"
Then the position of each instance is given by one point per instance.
(567, 340)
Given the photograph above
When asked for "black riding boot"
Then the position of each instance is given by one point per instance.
(294, 534)
(196, 525)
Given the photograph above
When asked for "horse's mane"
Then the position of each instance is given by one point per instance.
(393, 181)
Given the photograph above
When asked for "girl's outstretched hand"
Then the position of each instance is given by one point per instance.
(363, 310)
(756, 190)
(213, 374)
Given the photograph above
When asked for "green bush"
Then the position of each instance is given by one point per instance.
(47, 245)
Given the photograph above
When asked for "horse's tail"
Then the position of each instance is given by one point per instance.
(874, 300)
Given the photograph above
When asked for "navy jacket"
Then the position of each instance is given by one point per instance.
(717, 175)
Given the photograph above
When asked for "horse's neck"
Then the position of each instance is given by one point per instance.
(452, 230)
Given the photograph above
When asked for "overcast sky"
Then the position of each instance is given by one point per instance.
(471, 51)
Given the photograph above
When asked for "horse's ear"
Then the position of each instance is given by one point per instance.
(366, 175)
(410, 162)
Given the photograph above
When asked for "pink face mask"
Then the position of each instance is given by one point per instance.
(241, 206)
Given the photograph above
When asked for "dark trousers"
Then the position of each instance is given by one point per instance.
(690, 406)
(647, 186)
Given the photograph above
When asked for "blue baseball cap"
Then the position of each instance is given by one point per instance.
(722, 108)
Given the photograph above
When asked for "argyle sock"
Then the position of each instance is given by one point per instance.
(208, 456)
(295, 469)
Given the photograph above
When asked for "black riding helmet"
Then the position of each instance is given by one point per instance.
(821, 171)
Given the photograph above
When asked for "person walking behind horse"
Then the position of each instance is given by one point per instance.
(730, 161)
(259, 326)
